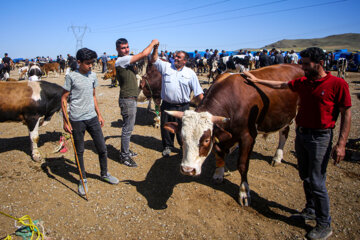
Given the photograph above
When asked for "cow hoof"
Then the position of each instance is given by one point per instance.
(244, 195)
(275, 163)
(36, 156)
(244, 202)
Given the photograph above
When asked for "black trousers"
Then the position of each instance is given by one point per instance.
(92, 126)
(167, 138)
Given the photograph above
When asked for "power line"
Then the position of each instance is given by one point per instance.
(209, 14)
(166, 15)
(243, 16)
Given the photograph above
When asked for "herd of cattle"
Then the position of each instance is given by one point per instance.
(231, 114)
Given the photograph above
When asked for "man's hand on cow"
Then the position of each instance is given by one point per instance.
(338, 154)
(250, 77)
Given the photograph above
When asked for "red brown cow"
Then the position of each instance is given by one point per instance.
(150, 84)
(51, 67)
(32, 103)
(232, 113)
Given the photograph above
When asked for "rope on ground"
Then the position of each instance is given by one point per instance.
(29, 226)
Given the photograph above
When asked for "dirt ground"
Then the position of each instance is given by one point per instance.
(154, 201)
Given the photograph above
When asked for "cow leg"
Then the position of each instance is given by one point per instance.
(33, 126)
(283, 135)
(245, 147)
(157, 119)
(218, 176)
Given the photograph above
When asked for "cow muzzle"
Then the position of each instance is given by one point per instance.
(188, 171)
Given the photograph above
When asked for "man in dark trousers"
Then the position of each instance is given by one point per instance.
(322, 98)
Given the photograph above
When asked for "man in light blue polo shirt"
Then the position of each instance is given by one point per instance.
(178, 82)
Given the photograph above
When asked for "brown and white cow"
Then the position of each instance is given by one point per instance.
(232, 113)
(23, 72)
(32, 103)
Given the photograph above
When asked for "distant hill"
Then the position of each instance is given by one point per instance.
(349, 41)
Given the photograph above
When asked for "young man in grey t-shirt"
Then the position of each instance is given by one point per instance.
(84, 114)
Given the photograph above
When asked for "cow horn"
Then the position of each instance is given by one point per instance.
(176, 114)
(218, 119)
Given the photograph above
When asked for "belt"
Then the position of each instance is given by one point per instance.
(133, 98)
(313, 130)
(175, 104)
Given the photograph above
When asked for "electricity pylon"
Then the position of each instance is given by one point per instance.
(79, 32)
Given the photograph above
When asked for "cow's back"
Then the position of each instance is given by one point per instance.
(251, 105)
(14, 97)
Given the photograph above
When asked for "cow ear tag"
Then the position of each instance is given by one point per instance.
(216, 140)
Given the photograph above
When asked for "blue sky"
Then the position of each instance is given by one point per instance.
(41, 27)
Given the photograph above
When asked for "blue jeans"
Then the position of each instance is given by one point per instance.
(94, 129)
(313, 150)
(128, 113)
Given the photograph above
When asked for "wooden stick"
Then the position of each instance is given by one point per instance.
(76, 157)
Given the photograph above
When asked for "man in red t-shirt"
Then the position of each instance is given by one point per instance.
(322, 97)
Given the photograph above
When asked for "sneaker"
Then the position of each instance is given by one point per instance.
(110, 179)
(320, 232)
(166, 152)
(81, 187)
(132, 154)
(305, 214)
(128, 161)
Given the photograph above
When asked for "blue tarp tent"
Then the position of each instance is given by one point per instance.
(16, 60)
